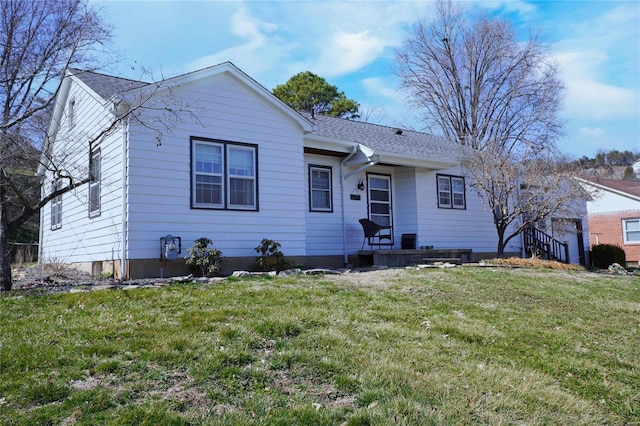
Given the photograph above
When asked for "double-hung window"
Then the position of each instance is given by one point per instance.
(56, 206)
(224, 175)
(631, 231)
(94, 184)
(451, 192)
(320, 198)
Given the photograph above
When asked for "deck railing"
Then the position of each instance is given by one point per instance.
(545, 246)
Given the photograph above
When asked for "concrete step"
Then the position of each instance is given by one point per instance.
(431, 260)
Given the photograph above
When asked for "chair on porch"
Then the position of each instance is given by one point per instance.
(372, 231)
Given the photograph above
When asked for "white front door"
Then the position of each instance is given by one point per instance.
(379, 196)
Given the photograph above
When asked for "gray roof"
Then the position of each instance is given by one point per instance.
(385, 139)
(106, 85)
(630, 187)
(382, 139)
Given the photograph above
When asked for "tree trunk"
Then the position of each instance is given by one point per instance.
(501, 243)
(5, 260)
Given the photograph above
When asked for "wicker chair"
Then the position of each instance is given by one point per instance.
(372, 231)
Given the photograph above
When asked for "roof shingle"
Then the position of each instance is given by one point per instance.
(106, 85)
(385, 139)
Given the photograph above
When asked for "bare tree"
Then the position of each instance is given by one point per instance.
(522, 194)
(500, 99)
(39, 40)
(42, 42)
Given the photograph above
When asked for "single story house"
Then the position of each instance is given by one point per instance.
(214, 154)
(614, 215)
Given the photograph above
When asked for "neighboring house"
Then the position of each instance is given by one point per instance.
(614, 215)
(233, 163)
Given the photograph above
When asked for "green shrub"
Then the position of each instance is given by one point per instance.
(271, 258)
(204, 260)
(603, 255)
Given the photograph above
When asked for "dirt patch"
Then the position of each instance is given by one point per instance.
(379, 279)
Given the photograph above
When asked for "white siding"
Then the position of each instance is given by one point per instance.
(159, 200)
(604, 201)
(471, 228)
(80, 238)
(324, 230)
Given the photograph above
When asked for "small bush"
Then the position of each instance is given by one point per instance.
(204, 260)
(603, 255)
(271, 258)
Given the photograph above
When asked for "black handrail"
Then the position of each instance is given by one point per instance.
(544, 245)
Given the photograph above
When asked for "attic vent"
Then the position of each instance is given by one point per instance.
(398, 131)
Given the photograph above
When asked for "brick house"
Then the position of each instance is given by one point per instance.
(614, 215)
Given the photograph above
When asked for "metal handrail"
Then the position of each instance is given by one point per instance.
(539, 242)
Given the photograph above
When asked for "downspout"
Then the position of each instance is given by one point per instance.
(41, 220)
(344, 224)
(125, 198)
(366, 166)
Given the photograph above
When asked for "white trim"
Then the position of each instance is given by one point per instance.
(625, 230)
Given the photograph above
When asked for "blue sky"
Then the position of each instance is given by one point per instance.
(352, 45)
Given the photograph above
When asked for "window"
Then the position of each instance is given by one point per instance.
(94, 184)
(451, 193)
(56, 206)
(631, 231)
(224, 175)
(72, 113)
(320, 198)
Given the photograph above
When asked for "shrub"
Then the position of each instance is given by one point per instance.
(204, 260)
(603, 255)
(271, 258)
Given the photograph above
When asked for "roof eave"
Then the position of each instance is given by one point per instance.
(601, 187)
(345, 147)
(153, 89)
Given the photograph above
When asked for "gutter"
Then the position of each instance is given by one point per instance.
(354, 150)
(125, 196)
(368, 161)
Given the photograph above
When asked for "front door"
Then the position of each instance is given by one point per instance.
(570, 231)
(379, 195)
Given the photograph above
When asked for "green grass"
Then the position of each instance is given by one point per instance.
(462, 346)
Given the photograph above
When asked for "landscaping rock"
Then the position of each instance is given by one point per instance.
(617, 269)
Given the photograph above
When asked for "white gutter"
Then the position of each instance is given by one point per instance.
(344, 224)
(366, 166)
(366, 160)
(125, 145)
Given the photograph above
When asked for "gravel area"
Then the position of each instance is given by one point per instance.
(42, 279)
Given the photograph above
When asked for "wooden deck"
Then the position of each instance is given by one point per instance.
(395, 258)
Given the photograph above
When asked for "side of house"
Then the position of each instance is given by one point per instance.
(230, 169)
(83, 226)
(614, 215)
(214, 154)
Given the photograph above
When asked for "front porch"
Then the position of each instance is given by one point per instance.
(407, 257)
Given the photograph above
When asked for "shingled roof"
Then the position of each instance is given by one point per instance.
(385, 139)
(106, 85)
(630, 187)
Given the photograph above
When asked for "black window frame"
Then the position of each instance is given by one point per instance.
(226, 176)
(451, 205)
(95, 184)
(329, 170)
(56, 206)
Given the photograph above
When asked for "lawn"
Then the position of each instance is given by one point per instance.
(459, 346)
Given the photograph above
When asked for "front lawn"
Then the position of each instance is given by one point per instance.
(460, 346)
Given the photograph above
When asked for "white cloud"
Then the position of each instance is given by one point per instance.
(378, 87)
(348, 52)
(587, 95)
(591, 133)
